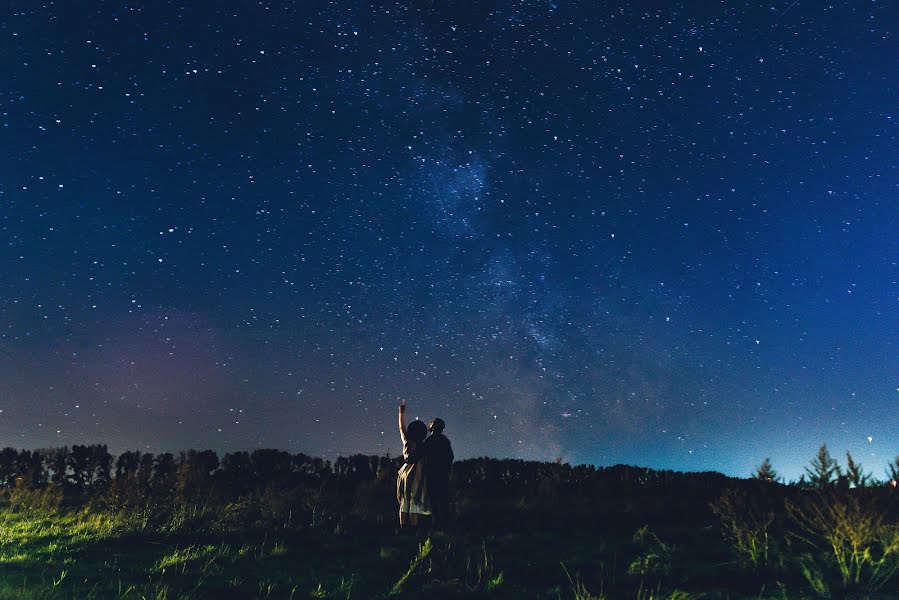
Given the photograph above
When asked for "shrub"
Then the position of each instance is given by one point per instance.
(48, 498)
(655, 560)
(860, 541)
(746, 526)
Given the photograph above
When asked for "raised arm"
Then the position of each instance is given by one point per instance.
(402, 421)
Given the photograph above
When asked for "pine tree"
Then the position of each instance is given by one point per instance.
(824, 469)
(855, 474)
(765, 472)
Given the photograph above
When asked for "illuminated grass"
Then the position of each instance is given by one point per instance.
(81, 554)
(180, 558)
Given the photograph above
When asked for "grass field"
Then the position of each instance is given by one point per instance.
(88, 555)
(828, 544)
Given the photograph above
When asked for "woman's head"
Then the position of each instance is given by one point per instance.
(416, 431)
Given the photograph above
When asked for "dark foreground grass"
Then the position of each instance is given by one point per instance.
(96, 555)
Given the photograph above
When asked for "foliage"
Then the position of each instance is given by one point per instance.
(480, 572)
(746, 524)
(417, 565)
(655, 560)
(863, 542)
(813, 576)
(579, 590)
(46, 499)
(437, 567)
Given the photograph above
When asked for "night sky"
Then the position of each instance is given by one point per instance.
(655, 233)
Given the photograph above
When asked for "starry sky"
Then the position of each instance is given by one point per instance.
(656, 233)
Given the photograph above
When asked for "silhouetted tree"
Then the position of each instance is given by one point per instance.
(164, 472)
(237, 473)
(271, 465)
(765, 472)
(193, 479)
(100, 466)
(824, 469)
(56, 461)
(31, 469)
(855, 475)
(79, 462)
(125, 489)
(146, 473)
(127, 465)
(9, 466)
(90, 466)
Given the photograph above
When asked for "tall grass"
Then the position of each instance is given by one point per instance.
(418, 562)
(579, 590)
(747, 526)
(859, 539)
(842, 544)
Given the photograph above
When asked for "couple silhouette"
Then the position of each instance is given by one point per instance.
(422, 485)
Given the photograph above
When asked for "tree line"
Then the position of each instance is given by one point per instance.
(268, 486)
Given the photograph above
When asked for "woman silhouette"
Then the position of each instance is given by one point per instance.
(411, 482)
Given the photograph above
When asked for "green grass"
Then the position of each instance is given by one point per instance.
(96, 555)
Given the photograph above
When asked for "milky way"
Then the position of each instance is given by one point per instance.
(654, 233)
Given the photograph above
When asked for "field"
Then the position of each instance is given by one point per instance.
(274, 525)
(85, 555)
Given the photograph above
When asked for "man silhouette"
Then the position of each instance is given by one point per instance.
(439, 453)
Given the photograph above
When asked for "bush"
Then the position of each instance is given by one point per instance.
(655, 558)
(853, 528)
(746, 526)
(23, 497)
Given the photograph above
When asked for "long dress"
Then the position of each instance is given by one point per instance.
(411, 482)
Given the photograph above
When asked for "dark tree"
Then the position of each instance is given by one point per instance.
(57, 460)
(31, 468)
(855, 475)
(163, 479)
(824, 469)
(194, 475)
(271, 465)
(126, 465)
(237, 473)
(78, 461)
(311, 467)
(765, 472)
(146, 472)
(91, 467)
(9, 466)
(100, 467)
